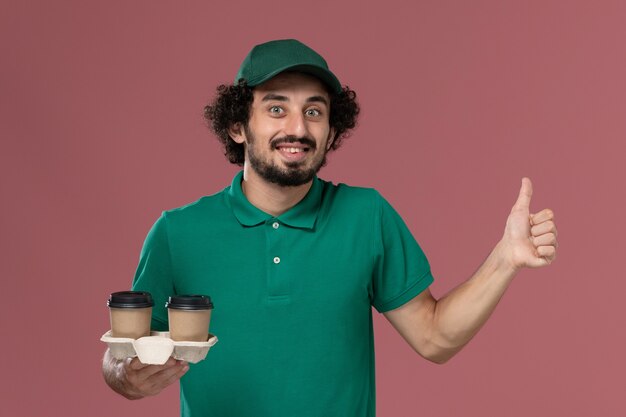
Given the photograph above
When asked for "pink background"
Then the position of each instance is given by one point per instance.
(101, 129)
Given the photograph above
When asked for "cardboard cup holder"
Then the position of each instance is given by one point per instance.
(157, 348)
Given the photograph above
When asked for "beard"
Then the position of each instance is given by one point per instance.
(294, 173)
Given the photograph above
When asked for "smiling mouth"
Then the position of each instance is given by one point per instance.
(293, 149)
(293, 152)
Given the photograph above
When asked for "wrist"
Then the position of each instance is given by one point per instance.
(503, 259)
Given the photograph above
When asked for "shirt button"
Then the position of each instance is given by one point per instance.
(275, 225)
(277, 260)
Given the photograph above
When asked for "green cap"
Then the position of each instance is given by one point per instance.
(271, 58)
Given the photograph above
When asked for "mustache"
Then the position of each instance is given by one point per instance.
(293, 139)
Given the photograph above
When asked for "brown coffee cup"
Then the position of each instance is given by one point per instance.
(189, 317)
(130, 313)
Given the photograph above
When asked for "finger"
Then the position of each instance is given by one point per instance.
(134, 364)
(178, 375)
(168, 376)
(547, 252)
(525, 194)
(149, 370)
(542, 216)
(543, 228)
(154, 383)
(539, 262)
(547, 239)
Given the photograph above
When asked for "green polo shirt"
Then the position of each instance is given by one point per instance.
(292, 294)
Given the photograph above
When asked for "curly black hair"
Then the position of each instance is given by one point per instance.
(232, 105)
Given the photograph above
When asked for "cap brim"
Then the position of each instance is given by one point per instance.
(323, 74)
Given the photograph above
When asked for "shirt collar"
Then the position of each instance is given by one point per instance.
(303, 215)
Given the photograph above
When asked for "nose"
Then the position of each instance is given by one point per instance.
(295, 125)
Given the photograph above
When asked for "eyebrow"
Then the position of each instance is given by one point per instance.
(314, 99)
(278, 97)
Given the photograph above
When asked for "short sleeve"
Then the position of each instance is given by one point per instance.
(154, 272)
(401, 270)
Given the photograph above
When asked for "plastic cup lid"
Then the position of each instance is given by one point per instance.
(189, 302)
(130, 299)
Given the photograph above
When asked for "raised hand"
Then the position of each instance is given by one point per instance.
(529, 240)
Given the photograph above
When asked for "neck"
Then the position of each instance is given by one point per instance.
(271, 198)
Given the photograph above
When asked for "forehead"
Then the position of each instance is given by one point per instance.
(292, 83)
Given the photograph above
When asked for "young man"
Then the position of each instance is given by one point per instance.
(294, 263)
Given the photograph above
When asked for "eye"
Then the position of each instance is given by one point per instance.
(312, 112)
(275, 110)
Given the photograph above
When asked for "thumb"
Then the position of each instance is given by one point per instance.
(525, 193)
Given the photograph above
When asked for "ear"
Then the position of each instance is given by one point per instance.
(331, 138)
(237, 133)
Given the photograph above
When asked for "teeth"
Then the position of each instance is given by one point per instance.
(292, 150)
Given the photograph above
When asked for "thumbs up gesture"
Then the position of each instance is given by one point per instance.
(530, 240)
